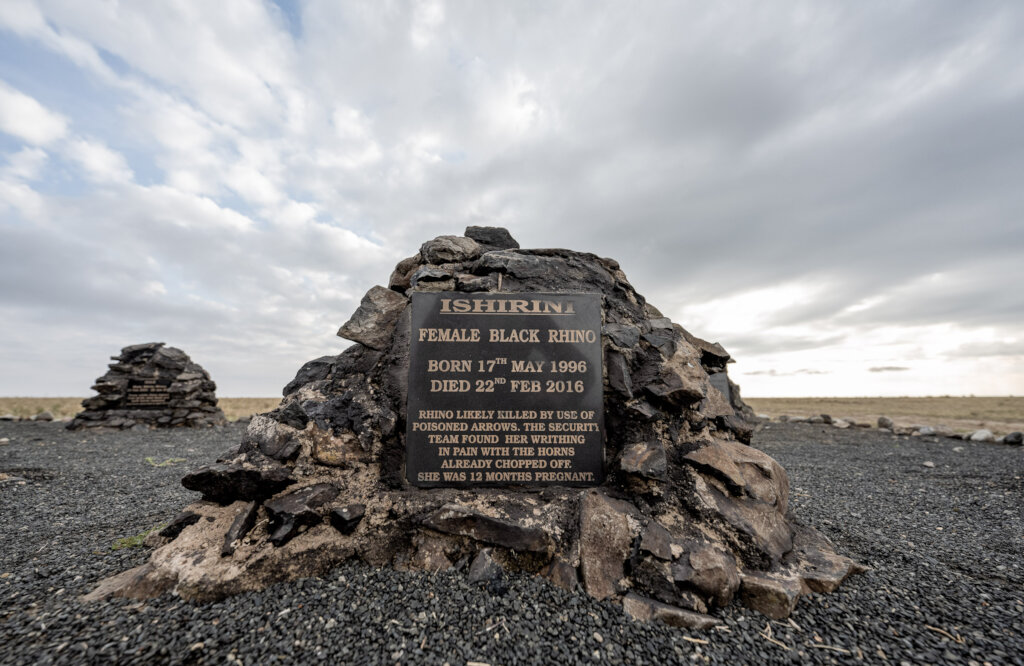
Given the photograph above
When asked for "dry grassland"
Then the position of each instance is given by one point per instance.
(61, 408)
(1000, 415)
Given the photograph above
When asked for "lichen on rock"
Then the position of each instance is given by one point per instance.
(688, 517)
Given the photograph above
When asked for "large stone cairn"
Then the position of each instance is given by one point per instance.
(688, 519)
(182, 392)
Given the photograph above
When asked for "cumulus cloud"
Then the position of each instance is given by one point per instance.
(825, 186)
(27, 119)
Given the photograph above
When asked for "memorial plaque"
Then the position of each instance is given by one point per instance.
(505, 389)
(147, 393)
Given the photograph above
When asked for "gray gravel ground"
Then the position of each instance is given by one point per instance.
(945, 544)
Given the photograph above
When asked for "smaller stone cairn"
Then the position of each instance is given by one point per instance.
(151, 386)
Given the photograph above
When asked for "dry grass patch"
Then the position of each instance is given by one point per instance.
(964, 414)
(65, 408)
(236, 408)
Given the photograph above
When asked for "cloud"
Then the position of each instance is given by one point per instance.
(100, 163)
(772, 372)
(27, 119)
(822, 187)
(888, 368)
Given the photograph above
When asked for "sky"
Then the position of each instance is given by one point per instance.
(832, 190)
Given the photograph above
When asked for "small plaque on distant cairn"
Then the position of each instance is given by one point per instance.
(150, 385)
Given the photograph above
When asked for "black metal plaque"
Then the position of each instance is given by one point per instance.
(147, 393)
(505, 389)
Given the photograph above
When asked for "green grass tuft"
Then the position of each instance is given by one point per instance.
(135, 541)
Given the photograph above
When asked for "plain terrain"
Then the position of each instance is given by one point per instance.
(65, 408)
(938, 521)
(964, 414)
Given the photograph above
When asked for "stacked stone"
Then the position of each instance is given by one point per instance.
(688, 518)
(181, 393)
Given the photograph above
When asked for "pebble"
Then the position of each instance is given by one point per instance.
(85, 491)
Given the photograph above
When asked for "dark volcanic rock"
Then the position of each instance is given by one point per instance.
(293, 512)
(227, 482)
(179, 523)
(687, 518)
(151, 386)
(240, 526)
(492, 238)
(484, 568)
(346, 518)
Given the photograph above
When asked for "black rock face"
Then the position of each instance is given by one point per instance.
(228, 482)
(151, 386)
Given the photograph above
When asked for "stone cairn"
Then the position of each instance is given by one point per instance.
(151, 386)
(688, 519)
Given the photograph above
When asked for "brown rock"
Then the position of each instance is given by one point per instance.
(711, 572)
(657, 541)
(335, 450)
(373, 323)
(605, 542)
(646, 459)
(403, 271)
(646, 610)
(814, 559)
(774, 596)
(450, 249)
(561, 574)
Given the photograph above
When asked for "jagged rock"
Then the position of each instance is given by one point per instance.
(656, 541)
(815, 562)
(432, 278)
(561, 574)
(151, 386)
(272, 439)
(312, 371)
(400, 278)
(179, 523)
(492, 238)
(885, 422)
(709, 571)
(240, 526)
(623, 336)
(346, 518)
(646, 610)
(484, 568)
(618, 374)
(646, 459)
(774, 596)
(455, 519)
(450, 250)
(374, 321)
(291, 513)
(684, 505)
(227, 482)
(605, 541)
